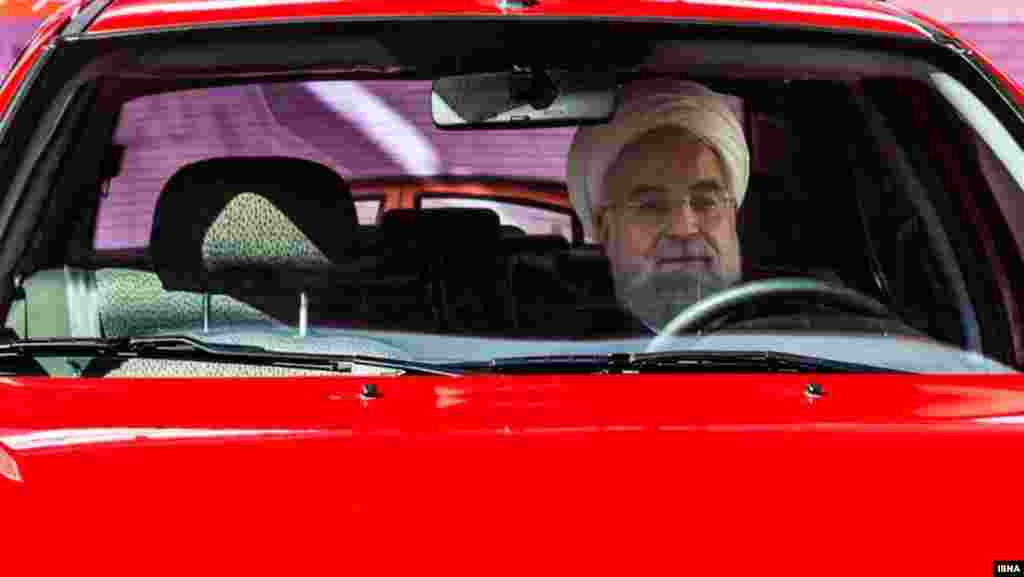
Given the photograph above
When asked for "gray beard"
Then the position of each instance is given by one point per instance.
(657, 298)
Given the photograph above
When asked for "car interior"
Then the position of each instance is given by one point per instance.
(864, 181)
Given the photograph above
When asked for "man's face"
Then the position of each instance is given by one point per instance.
(669, 225)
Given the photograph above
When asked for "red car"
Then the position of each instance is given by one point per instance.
(523, 286)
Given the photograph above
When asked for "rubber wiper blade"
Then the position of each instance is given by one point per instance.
(547, 362)
(60, 347)
(123, 346)
(188, 348)
(550, 364)
(756, 361)
(187, 345)
(674, 362)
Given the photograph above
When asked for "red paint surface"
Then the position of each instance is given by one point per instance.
(551, 475)
(46, 32)
(999, 41)
(1015, 87)
(129, 15)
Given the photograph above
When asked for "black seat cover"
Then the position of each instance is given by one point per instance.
(296, 214)
(455, 250)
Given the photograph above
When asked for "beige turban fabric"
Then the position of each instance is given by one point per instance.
(644, 106)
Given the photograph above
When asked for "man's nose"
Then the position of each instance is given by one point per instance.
(682, 220)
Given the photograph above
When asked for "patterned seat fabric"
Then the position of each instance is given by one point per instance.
(134, 303)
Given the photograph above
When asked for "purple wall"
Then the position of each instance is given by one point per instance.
(1002, 42)
(359, 129)
(14, 34)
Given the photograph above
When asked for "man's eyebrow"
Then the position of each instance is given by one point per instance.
(642, 190)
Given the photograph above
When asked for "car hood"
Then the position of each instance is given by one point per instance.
(542, 474)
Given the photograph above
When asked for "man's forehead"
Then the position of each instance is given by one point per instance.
(665, 158)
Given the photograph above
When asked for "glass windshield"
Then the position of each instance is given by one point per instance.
(717, 209)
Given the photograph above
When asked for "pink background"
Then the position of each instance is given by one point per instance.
(355, 133)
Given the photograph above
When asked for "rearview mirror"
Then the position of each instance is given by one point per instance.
(523, 99)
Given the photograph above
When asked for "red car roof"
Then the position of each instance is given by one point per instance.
(858, 16)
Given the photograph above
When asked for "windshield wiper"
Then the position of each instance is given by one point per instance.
(673, 362)
(187, 348)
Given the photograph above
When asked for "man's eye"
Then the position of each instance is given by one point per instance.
(704, 201)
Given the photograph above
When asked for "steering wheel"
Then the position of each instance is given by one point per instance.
(702, 313)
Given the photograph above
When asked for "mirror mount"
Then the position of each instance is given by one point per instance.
(535, 88)
(524, 97)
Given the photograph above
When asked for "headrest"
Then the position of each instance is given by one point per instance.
(250, 213)
(511, 230)
(466, 228)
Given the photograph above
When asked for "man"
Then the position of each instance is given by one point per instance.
(658, 187)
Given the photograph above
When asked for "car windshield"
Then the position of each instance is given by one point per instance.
(848, 204)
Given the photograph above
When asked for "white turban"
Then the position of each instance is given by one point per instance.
(646, 105)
